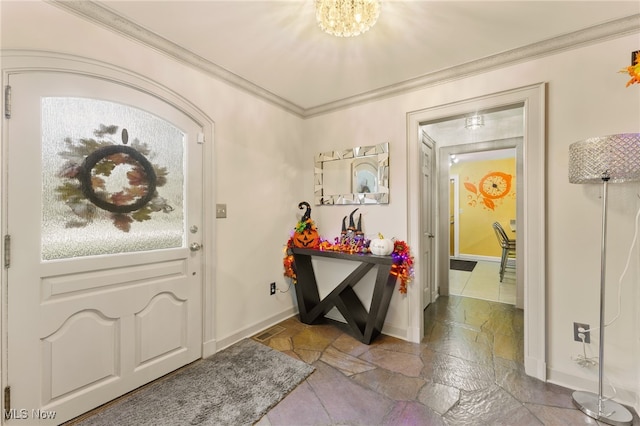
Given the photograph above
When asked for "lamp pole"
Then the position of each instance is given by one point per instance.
(596, 406)
(603, 267)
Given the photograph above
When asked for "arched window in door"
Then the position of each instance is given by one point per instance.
(112, 179)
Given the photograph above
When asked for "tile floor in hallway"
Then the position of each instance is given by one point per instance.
(467, 371)
(484, 283)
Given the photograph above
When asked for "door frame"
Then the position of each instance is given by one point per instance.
(531, 225)
(456, 215)
(22, 61)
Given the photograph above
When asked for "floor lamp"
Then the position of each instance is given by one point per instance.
(604, 160)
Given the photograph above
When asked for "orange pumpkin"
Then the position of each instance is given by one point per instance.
(306, 235)
(307, 238)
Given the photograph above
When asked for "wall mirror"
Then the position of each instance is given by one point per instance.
(357, 175)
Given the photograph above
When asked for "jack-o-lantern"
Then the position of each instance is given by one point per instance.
(308, 238)
(306, 234)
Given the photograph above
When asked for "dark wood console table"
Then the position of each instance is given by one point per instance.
(365, 325)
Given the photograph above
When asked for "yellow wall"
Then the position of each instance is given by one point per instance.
(478, 211)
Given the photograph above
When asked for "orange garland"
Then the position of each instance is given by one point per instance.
(402, 264)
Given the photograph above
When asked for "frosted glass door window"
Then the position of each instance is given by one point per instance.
(112, 179)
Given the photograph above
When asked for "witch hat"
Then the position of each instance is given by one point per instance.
(307, 214)
(352, 225)
(359, 229)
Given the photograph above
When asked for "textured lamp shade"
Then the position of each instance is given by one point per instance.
(616, 155)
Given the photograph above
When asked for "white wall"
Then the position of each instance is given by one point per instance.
(258, 151)
(586, 97)
(603, 106)
(366, 125)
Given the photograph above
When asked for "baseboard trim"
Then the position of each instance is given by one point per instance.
(209, 348)
(397, 332)
(478, 258)
(255, 328)
(387, 329)
(623, 396)
(535, 368)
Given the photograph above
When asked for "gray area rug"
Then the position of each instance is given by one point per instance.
(462, 265)
(236, 386)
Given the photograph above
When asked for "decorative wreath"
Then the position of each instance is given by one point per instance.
(84, 177)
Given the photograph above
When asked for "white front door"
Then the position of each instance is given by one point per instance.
(103, 205)
(427, 225)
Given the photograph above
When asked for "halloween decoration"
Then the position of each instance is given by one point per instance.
(288, 262)
(359, 233)
(306, 234)
(92, 165)
(381, 246)
(351, 240)
(402, 264)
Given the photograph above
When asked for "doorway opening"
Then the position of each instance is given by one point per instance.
(481, 166)
(527, 106)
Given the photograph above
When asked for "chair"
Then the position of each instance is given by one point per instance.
(508, 247)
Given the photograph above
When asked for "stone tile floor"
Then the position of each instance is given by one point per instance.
(467, 371)
(484, 283)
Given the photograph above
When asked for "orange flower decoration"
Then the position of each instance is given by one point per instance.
(634, 71)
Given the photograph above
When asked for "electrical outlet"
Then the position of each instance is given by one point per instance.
(272, 289)
(578, 329)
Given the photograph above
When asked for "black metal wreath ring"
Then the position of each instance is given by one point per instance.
(101, 153)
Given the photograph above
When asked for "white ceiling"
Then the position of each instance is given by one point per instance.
(278, 47)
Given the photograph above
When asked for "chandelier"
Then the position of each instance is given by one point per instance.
(347, 18)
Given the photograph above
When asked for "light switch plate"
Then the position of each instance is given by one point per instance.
(221, 211)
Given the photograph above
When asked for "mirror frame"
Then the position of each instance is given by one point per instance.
(379, 197)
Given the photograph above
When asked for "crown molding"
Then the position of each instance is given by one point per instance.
(595, 34)
(106, 17)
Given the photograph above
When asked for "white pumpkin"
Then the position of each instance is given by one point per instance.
(381, 246)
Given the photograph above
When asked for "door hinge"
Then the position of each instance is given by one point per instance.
(7, 251)
(7, 399)
(200, 138)
(7, 101)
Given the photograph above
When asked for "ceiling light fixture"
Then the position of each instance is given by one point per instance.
(474, 122)
(347, 18)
